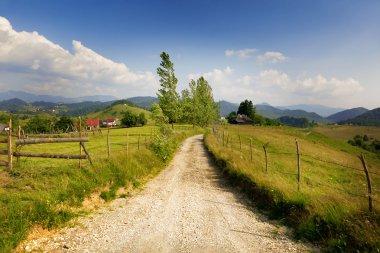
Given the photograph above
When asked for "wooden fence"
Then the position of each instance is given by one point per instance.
(8, 152)
(21, 141)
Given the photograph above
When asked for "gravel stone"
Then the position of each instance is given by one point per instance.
(189, 207)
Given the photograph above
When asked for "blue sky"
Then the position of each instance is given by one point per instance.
(282, 52)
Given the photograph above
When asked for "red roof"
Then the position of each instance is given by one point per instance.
(92, 122)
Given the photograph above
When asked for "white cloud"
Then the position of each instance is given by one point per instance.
(216, 75)
(277, 87)
(329, 87)
(32, 53)
(242, 53)
(271, 57)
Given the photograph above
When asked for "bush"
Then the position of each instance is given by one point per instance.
(129, 119)
(161, 147)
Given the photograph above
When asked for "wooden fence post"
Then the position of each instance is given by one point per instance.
(266, 157)
(250, 146)
(10, 153)
(138, 142)
(361, 157)
(241, 151)
(108, 144)
(18, 138)
(298, 165)
(80, 146)
(127, 143)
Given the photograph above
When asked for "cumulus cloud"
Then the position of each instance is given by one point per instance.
(271, 57)
(242, 53)
(313, 86)
(216, 75)
(56, 68)
(278, 87)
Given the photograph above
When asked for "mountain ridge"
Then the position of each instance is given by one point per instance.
(29, 97)
(347, 114)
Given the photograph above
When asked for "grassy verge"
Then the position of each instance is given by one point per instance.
(331, 208)
(49, 192)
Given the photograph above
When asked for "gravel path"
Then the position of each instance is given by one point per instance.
(187, 208)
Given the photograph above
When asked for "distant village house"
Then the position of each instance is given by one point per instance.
(243, 119)
(92, 124)
(110, 122)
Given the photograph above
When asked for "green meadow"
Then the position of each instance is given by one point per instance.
(49, 192)
(332, 205)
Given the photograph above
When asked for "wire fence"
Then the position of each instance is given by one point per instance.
(248, 148)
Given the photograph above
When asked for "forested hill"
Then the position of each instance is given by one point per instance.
(370, 118)
(347, 114)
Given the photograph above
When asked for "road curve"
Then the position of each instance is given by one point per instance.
(189, 207)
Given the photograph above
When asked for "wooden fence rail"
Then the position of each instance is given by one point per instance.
(49, 155)
(49, 140)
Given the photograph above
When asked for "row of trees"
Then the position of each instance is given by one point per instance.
(195, 106)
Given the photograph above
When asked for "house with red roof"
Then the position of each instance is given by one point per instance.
(110, 122)
(92, 123)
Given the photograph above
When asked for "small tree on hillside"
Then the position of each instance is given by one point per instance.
(141, 119)
(64, 124)
(129, 119)
(167, 95)
(158, 115)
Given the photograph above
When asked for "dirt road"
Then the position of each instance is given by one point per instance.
(187, 208)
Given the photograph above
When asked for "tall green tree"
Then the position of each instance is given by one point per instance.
(205, 110)
(246, 108)
(186, 107)
(167, 95)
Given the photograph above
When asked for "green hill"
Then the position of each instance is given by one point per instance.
(347, 114)
(370, 118)
(274, 113)
(117, 111)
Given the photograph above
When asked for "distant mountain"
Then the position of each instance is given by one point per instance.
(19, 106)
(321, 110)
(143, 102)
(370, 118)
(227, 107)
(12, 105)
(347, 114)
(29, 97)
(274, 113)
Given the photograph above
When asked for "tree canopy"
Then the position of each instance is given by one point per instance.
(246, 108)
(167, 95)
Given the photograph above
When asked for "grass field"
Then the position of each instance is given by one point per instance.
(332, 205)
(344, 133)
(50, 192)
